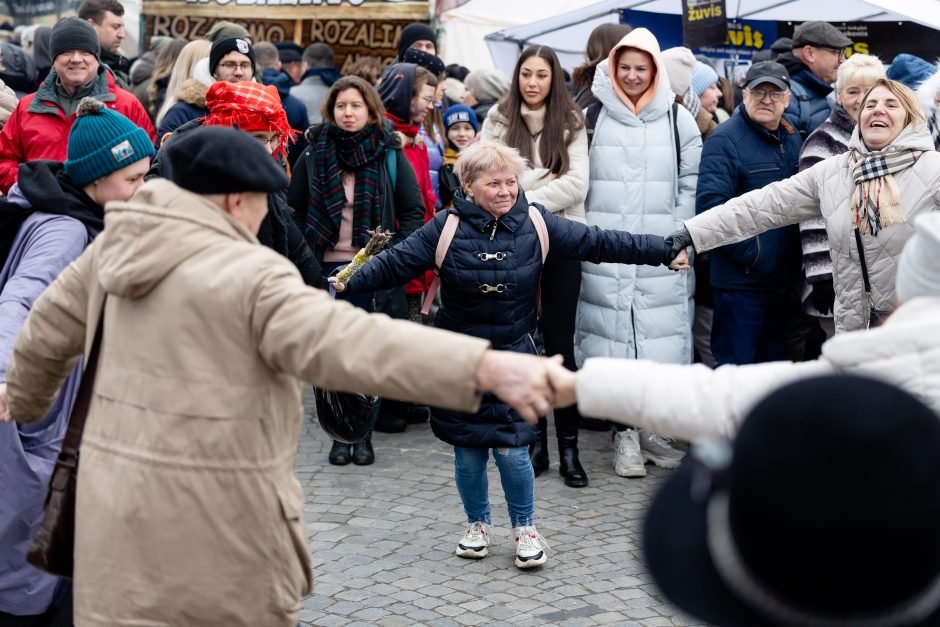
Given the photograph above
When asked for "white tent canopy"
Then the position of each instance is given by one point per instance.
(568, 33)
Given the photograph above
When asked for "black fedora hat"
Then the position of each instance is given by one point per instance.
(825, 512)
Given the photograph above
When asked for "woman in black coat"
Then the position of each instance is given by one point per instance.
(489, 278)
(354, 178)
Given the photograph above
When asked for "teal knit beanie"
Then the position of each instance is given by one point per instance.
(102, 141)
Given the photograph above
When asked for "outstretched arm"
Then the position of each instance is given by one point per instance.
(574, 240)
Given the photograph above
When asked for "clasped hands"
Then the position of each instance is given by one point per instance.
(531, 385)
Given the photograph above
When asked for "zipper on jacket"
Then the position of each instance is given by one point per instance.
(495, 225)
(532, 340)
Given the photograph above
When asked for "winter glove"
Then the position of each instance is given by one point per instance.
(676, 242)
(822, 296)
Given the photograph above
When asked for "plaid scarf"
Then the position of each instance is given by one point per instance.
(337, 151)
(876, 201)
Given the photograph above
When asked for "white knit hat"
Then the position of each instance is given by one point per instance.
(918, 271)
(679, 64)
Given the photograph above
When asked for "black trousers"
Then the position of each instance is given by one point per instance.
(561, 286)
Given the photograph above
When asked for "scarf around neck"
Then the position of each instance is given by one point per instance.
(337, 151)
(534, 119)
(876, 201)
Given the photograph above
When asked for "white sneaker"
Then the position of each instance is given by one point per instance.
(659, 450)
(530, 547)
(628, 461)
(475, 541)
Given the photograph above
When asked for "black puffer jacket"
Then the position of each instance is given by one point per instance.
(489, 282)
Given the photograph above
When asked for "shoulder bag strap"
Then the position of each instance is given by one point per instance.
(391, 162)
(447, 236)
(542, 231)
(675, 134)
(73, 436)
(861, 259)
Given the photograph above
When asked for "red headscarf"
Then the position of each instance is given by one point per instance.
(250, 107)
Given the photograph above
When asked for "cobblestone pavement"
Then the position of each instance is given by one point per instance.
(382, 542)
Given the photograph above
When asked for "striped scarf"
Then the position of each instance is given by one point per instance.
(336, 151)
(876, 201)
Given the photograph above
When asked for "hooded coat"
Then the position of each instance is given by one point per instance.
(58, 220)
(825, 190)
(190, 105)
(927, 95)
(188, 511)
(638, 311)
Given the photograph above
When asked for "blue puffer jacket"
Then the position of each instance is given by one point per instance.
(809, 104)
(740, 156)
(505, 315)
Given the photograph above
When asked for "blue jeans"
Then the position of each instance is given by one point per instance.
(749, 326)
(515, 473)
(362, 300)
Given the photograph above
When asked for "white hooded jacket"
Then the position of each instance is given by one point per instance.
(629, 311)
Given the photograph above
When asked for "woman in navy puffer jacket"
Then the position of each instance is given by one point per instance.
(489, 288)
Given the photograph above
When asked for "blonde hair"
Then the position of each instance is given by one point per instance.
(860, 68)
(482, 157)
(192, 53)
(905, 96)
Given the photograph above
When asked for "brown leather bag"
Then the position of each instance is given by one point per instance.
(53, 546)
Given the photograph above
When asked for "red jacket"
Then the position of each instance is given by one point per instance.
(38, 128)
(417, 154)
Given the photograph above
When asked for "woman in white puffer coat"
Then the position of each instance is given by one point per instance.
(644, 159)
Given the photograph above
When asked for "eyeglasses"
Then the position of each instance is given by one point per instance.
(839, 52)
(232, 66)
(429, 101)
(272, 142)
(760, 94)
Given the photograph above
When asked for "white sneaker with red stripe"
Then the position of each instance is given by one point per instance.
(475, 542)
(530, 547)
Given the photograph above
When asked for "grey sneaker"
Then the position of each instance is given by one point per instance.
(628, 461)
(659, 450)
(475, 542)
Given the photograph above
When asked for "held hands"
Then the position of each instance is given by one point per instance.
(676, 244)
(522, 381)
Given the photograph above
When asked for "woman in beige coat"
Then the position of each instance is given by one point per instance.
(890, 175)
(538, 118)
(188, 510)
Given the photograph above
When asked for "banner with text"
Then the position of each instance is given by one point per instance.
(703, 22)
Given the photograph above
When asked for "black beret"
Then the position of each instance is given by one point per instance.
(289, 55)
(289, 45)
(221, 160)
(425, 59)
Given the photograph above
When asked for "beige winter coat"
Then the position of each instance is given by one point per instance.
(563, 195)
(691, 402)
(188, 509)
(826, 190)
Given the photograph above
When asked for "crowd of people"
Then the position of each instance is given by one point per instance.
(681, 245)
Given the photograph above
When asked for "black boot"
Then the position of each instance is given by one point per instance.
(569, 465)
(538, 450)
(363, 455)
(339, 454)
(391, 417)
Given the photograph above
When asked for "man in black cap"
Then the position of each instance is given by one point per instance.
(416, 35)
(823, 512)
(232, 59)
(39, 126)
(289, 54)
(818, 51)
(752, 279)
(189, 450)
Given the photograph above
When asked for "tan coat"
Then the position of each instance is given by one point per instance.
(825, 190)
(188, 509)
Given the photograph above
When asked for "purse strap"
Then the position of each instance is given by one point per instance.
(73, 436)
(861, 259)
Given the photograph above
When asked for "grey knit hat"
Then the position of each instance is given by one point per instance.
(73, 33)
(487, 84)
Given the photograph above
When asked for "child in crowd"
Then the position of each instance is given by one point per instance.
(461, 127)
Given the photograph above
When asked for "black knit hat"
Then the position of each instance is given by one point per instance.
(73, 33)
(824, 512)
(222, 47)
(425, 59)
(412, 33)
(221, 160)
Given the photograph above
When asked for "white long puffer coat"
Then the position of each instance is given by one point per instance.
(638, 311)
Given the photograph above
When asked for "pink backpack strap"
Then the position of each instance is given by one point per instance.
(542, 231)
(447, 236)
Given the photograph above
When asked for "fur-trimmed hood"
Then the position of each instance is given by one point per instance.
(927, 91)
(192, 92)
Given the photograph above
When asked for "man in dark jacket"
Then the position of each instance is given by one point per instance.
(752, 280)
(818, 51)
(107, 18)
